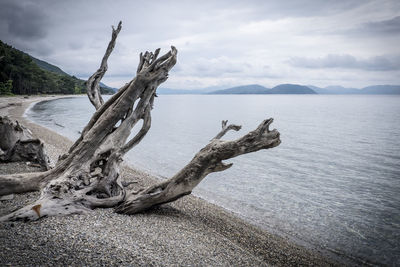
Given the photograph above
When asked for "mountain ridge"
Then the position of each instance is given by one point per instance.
(291, 89)
(279, 89)
(244, 89)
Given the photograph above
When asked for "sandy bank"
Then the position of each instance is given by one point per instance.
(189, 231)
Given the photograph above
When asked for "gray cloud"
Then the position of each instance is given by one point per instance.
(390, 26)
(217, 67)
(377, 63)
(303, 8)
(26, 21)
(219, 42)
(75, 45)
(42, 48)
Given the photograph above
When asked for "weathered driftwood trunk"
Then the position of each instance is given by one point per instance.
(207, 160)
(17, 144)
(88, 176)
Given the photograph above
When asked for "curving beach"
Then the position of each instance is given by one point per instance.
(189, 231)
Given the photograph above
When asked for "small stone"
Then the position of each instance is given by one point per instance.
(7, 197)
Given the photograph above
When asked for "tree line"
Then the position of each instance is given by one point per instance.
(20, 75)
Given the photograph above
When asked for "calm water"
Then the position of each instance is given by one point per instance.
(334, 182)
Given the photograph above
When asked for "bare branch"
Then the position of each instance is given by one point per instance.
(19, 183)
(93, 83)
(141, 62)
(167, 61)
(225, 129)
(140, 135)
(147, 60)
(207, 160)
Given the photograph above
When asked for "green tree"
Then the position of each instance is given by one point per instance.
(28, 78)
(6, 88)
(77, 90)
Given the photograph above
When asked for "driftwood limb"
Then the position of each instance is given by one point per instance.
(93, 83)
(207, 160)
(225, 129)
(17, 144)
(11, 132)
(19, 183)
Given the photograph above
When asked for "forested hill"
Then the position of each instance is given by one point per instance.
(30, 76)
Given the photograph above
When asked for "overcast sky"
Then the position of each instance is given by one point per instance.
(220, 43)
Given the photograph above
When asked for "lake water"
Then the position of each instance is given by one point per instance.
(333, 183)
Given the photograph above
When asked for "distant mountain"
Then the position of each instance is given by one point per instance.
(288, 89)
(167, 91)
(291, 89)
(381, 90)
(334, 90)
(258, 89)
(245, 89)
(102, 85)
(370, 90)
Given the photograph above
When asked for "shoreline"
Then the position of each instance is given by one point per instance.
(190, 231)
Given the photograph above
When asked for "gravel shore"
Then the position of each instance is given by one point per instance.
(188, 232)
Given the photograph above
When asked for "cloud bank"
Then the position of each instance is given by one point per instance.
(377, 63)
(220, 43)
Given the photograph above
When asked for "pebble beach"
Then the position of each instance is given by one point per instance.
(188, 232)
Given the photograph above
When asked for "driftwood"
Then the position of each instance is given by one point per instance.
(207, 160)
(88, 176)
(17, 144)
